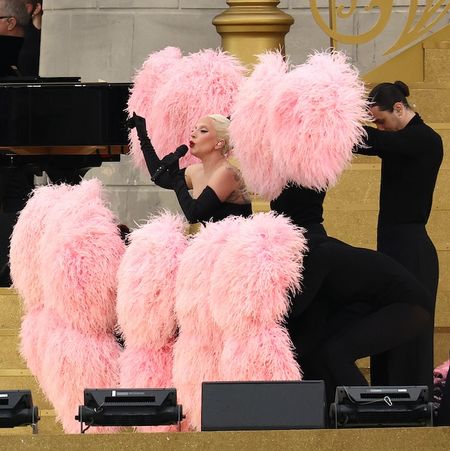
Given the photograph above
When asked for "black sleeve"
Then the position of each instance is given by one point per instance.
(151, 159)
(369, 148)
(195, 210)
(405, 142)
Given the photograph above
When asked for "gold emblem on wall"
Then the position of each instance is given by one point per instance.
(419, 22)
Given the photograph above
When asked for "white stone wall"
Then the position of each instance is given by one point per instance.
(110, 39)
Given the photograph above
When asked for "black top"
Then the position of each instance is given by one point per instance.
(28, 62)
(207, 207)
(302, 205)
(411, 158)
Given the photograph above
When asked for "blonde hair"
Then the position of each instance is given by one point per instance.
(221, 125)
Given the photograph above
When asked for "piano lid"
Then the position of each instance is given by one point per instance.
(62, 114)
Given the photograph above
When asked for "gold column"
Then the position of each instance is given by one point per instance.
(250, 27)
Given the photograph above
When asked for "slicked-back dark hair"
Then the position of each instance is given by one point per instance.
(385, 95)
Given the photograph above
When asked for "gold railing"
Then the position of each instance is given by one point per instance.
(419, 22)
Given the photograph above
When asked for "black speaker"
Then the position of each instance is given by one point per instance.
(228, 406)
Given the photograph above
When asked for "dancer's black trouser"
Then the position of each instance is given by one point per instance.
(412, 363)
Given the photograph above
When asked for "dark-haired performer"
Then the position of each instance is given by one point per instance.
(411, 154)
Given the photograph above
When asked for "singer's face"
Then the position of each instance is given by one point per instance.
(203, 137)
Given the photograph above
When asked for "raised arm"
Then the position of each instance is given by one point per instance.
(151, 158)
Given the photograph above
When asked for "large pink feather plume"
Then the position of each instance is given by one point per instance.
(253, 275)
(236, 306)
(173, 92)
(250, 120)
(199, 343)
(80, 259)
(147, 274)
(201, 83)
(25, 257)
(315, 119)
(146, 301)
(72, 361)
(146, 83)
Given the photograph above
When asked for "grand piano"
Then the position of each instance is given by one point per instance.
(62, 126)
(58, 125)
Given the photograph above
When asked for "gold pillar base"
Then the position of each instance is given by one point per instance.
(251, 27)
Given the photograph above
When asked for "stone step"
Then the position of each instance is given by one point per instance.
(47, 426)
(9, 351)
(21, 379)
(11, 311)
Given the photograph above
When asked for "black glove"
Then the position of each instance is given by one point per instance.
(151, 159)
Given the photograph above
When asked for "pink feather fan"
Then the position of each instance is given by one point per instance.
(248, 128)
(67, 337)
(146, 303)
(146, 84)
(25, 255)
(80, 259)
(315, 118)
(249, 298)
(199, 343)
(194, 86)
(230, 312)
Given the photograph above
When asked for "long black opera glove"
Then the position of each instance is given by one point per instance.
(195, 210)
(151, 159)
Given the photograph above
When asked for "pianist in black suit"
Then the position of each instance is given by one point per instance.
(217, 186)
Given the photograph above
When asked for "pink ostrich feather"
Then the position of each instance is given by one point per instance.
(203, 83)
(25, 257)
(251, 281)
(250, 298)
(248, 128)
(80, 259)
(263, 355)
(146, 282)
(73, 361)
(146, 367)
(32, 331)
(146, 83)
(199, 343)
(316, 117)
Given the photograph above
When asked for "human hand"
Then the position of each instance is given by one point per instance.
(136, 121)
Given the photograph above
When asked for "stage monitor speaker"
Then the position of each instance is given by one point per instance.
(389, 406)
(228, 406)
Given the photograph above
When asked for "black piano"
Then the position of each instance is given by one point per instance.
(62, 127)
(57, 125)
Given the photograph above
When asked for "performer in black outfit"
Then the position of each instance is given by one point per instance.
(411, 154)
(218, 188)
(329, 336)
